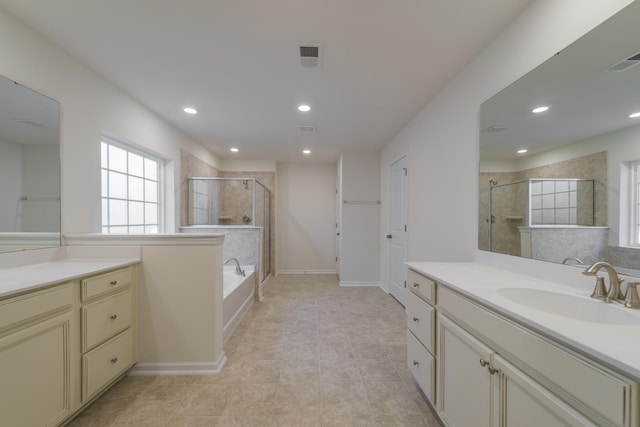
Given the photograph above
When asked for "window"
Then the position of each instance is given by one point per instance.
(130, 190)
(634, 203)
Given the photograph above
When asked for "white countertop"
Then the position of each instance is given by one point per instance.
(31, 277)
(615, 345)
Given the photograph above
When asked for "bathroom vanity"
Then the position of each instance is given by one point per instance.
(495, 348)
(68, 330)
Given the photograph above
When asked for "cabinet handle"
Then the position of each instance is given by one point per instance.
(483, 363)
(113, 282)
(114, 360)
(416, 285)
(416, 319)
(114, 316)
(415, 363)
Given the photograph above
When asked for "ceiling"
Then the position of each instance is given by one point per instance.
(237, 62)
(585, 98)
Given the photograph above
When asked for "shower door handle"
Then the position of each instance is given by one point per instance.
(389, 236)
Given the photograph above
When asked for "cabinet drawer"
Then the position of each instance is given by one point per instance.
(105, 363)
(422, 366)
(585, 383)
(421, 321)
(422, 286)
(98, 285)
(35, 305)
(105, 318)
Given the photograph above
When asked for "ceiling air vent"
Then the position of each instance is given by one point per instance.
(310, 56)
(307, 128)
(625, 64)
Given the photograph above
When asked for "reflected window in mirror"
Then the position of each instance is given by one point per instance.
(131, 189)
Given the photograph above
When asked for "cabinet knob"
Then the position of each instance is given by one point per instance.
(113, 282)
(114, 360)
(415, 363)
(416, 285)
(416, 319)
(483, 363)
(492, 370)
(113, 316)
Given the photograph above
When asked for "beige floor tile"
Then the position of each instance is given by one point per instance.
(261, 371)
(251, 400)
(391, 399)
(300, 371)
(301, 399)
(377, 370)
(344, 398)
(344, 370)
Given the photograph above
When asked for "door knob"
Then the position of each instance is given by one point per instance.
(388, 236)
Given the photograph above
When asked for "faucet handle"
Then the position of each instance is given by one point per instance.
(632, 300)
(599, 292)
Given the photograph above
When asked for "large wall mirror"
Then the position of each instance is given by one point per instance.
(30, 169)
(570, 197)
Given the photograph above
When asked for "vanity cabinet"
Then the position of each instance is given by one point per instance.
(108, 338)
(480, 388)
(36, 357)
(62, 345)
(421, 332)
(494, 372)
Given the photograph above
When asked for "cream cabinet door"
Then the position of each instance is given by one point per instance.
(464, 382)
(36, 374)
(525, 403)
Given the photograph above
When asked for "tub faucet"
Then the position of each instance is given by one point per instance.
(239, 270)
(614, 282)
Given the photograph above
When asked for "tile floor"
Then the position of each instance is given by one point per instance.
(311, 354)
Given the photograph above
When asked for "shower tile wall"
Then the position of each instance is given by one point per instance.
(191, 166)
(268, 179)
(629, 257)
(589, 244)
(242, 243)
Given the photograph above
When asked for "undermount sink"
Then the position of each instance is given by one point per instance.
(570, 306)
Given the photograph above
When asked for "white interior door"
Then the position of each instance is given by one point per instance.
(397, 236)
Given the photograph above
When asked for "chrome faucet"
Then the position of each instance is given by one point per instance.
(578, 260)
(614, 292)
(239, 270)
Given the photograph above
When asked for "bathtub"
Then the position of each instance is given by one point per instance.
(237, 297)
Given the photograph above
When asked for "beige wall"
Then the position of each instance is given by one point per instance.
(305, 224)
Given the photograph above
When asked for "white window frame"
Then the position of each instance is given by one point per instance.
(134, 149)
(634, 203)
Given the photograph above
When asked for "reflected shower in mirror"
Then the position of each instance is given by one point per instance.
(558, 151)
(30, 165)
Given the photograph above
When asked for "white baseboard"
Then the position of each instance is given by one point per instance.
(189, 368)
(282, 272)
(347, 284)
(234, 322)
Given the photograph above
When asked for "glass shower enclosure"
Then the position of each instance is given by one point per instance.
(232, 202)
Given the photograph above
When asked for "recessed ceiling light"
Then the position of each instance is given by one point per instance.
(540, 109)
(304, 108)
(524, 150)
(634, 115)
(190, 110)
(234, 149)
(306, 152)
